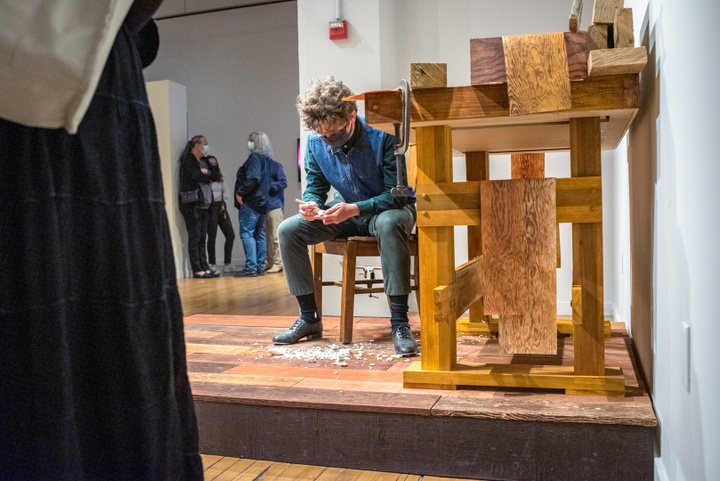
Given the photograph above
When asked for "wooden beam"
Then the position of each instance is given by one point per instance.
(623, 33)
(604, 11)
(456, 104)
(436, 247)
(610, 382)
(597, 37)
(578, 200)
(548, 88)
(575, 16)
(452, 300)
(428, 75)
(477, 168)
(616, 61)
(587, 253)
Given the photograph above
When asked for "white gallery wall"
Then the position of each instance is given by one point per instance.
(679, 197)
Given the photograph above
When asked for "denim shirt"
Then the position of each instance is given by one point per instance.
(363, 176)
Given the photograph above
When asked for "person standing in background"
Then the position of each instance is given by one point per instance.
(195, 177)
(276, 204)
(252, 188)
(218, 217)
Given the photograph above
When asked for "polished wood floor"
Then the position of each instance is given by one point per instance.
(224, 468)
(256, 296)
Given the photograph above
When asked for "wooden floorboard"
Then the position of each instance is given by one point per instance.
(225, 468)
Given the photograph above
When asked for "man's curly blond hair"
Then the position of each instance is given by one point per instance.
(323, 101)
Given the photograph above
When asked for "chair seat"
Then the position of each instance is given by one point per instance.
(351, 248)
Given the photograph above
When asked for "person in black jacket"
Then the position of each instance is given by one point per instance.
(193, 176)
(252, 187)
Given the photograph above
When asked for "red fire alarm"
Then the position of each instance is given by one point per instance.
(338, 30)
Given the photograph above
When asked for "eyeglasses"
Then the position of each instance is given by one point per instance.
(331, 133)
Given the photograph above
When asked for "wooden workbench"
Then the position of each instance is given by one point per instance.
(475, 120)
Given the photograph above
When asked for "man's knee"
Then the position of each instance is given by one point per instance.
(287, 229)
(389, 225)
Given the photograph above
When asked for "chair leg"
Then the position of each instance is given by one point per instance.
(348, 293)
(316, 258)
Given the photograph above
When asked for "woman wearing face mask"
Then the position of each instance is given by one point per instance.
(195, 177)
(358, 161)
(252, 187)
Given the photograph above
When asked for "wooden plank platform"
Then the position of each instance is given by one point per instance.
(297, 405)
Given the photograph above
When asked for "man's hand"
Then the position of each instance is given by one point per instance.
(309, 210)
(339, 213)
(239, 199)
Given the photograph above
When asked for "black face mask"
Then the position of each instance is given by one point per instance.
(339, 138)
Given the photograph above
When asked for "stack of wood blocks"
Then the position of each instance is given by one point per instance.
(611, 41)
(538, 68)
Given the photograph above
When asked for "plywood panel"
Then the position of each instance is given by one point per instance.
(534, 331)
(518, 229)
(537, 73)
(502, 222)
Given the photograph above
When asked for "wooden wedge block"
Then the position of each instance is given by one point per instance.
(597, 37)
(604, 11)
(575, 16)
(616, 61)
(519, 278)
(537, 73)
(428, 75)
(623, 33)
(487, 58)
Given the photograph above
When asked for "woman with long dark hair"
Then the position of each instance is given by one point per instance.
(193, 177)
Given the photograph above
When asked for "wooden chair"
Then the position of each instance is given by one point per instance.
(350, 249)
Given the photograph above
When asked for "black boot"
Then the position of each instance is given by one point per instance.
(405, 344)
(299, 330)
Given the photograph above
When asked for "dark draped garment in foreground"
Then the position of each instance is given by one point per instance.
(93, 377)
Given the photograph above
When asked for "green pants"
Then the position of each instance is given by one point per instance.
(391, 228)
